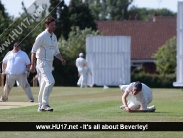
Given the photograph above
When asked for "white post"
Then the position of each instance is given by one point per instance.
(179, 57)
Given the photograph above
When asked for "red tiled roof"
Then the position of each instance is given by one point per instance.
(146, 36)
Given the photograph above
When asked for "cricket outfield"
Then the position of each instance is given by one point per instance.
(73, 104)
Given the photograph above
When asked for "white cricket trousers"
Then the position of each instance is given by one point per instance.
(83, 78)
(47, 81)
(39, 79)
(22, 79)
(131, 101)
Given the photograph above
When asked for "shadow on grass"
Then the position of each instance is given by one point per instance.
(143, 112)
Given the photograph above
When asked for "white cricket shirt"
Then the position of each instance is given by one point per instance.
(80, 63)
(144, 97)
(46, 46)
(16, 62)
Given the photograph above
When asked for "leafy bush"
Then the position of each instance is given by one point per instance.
(155, 80)
(166, 57)
(68, 75)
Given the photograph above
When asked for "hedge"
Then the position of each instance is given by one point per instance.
(154, 80)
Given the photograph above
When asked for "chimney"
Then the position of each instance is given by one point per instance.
(130, 17)
(137, 17)
(154, 17)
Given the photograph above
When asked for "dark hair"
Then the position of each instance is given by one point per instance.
(138, 86)
(49, 20)
(17, 43)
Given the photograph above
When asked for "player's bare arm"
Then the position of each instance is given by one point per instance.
(124, 96)
(33, 63)
(3, 67)
(59, 56)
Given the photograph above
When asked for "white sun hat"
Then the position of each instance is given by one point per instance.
(81, 54)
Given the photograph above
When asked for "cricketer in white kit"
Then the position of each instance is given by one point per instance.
(86, 71)
(44, 49)
(15, 65)
(136, 97)
(80, 64)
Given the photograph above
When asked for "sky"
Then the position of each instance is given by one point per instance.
(13, 7)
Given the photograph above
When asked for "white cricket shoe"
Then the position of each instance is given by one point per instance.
(122, 107)
(46, 108)
(39, 109)
(152, 108)
(2, 100)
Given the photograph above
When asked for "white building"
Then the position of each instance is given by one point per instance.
(109, 58)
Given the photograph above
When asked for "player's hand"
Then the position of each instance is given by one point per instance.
(3, 72)
(63, 62)
(32, 69)
(128, 109)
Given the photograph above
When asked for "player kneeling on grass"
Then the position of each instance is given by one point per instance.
(136, 97)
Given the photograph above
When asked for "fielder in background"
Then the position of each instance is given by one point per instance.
(86, 72)
(16, 65)
(80, 64)
(44, 49)
(136, 97)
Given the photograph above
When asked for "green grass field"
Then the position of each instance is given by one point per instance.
(73, 104)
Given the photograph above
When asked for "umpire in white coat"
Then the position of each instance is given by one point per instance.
(44, 49)
(15, 65)
(80, 64)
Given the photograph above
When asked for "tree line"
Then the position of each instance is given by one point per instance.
(74, 22)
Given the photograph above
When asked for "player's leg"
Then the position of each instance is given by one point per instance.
(17, 83)
(46, 74)
(79, 81)
(40, 95)
(134, 104)
(11, 82)
(123, 87)
(81, 78)
(84, 78)
(42, 84)
(22, 79)
(49, 83)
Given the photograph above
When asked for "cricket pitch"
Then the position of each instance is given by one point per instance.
(8, 105)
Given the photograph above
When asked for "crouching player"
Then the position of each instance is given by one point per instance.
(136, 97)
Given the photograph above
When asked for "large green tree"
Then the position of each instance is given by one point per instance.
(59, 10)
(76, 14)
(166, 57)
(22, 29)
(118, 9)
(146, 14)
(70, 49)
(109, 9)
(68, 17)
(3, 10)
(5, 21)
(80, 15)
